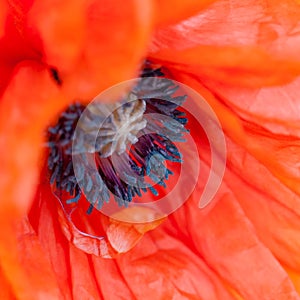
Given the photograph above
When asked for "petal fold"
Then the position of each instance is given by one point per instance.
(246, 44)
(93, 44)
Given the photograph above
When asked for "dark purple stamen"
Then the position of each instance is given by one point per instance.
(142, 165)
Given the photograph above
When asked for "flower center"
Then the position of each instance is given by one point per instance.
(131, 148)
(121, 128)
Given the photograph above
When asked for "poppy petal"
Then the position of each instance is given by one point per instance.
(94, 234)
(114, 281)
(254, 171)
(5, 288)
(55, 245)
(231, 248)
(82, 45)
(230, 44)
(3, 10)
(161, 266)
(173, 11)
(66, 37)
(263, 106)
(283, 150)
(274, 131)
(17, 43)
(295, 277)
(82, 276)
(25, 121)
(72, 266)
(124, 236)
(253, 176)
(282, 159)
(20, 268)
(19, 157)
(279, 227)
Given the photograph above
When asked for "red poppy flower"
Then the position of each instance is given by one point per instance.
(243, 59)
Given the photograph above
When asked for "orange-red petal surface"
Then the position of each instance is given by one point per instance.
(17, 42)
(274, 131)
(274, 212)
(157, 265)
(283, 149)
(231, 43)
(163, 267)
(22, 258)
(276, 109)
(29, 102)
(62, 28)
(19, 172)
(3, 10)
(167, 11)
(93, 44)
(231, 248)
(279, 226)
(5, 288)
